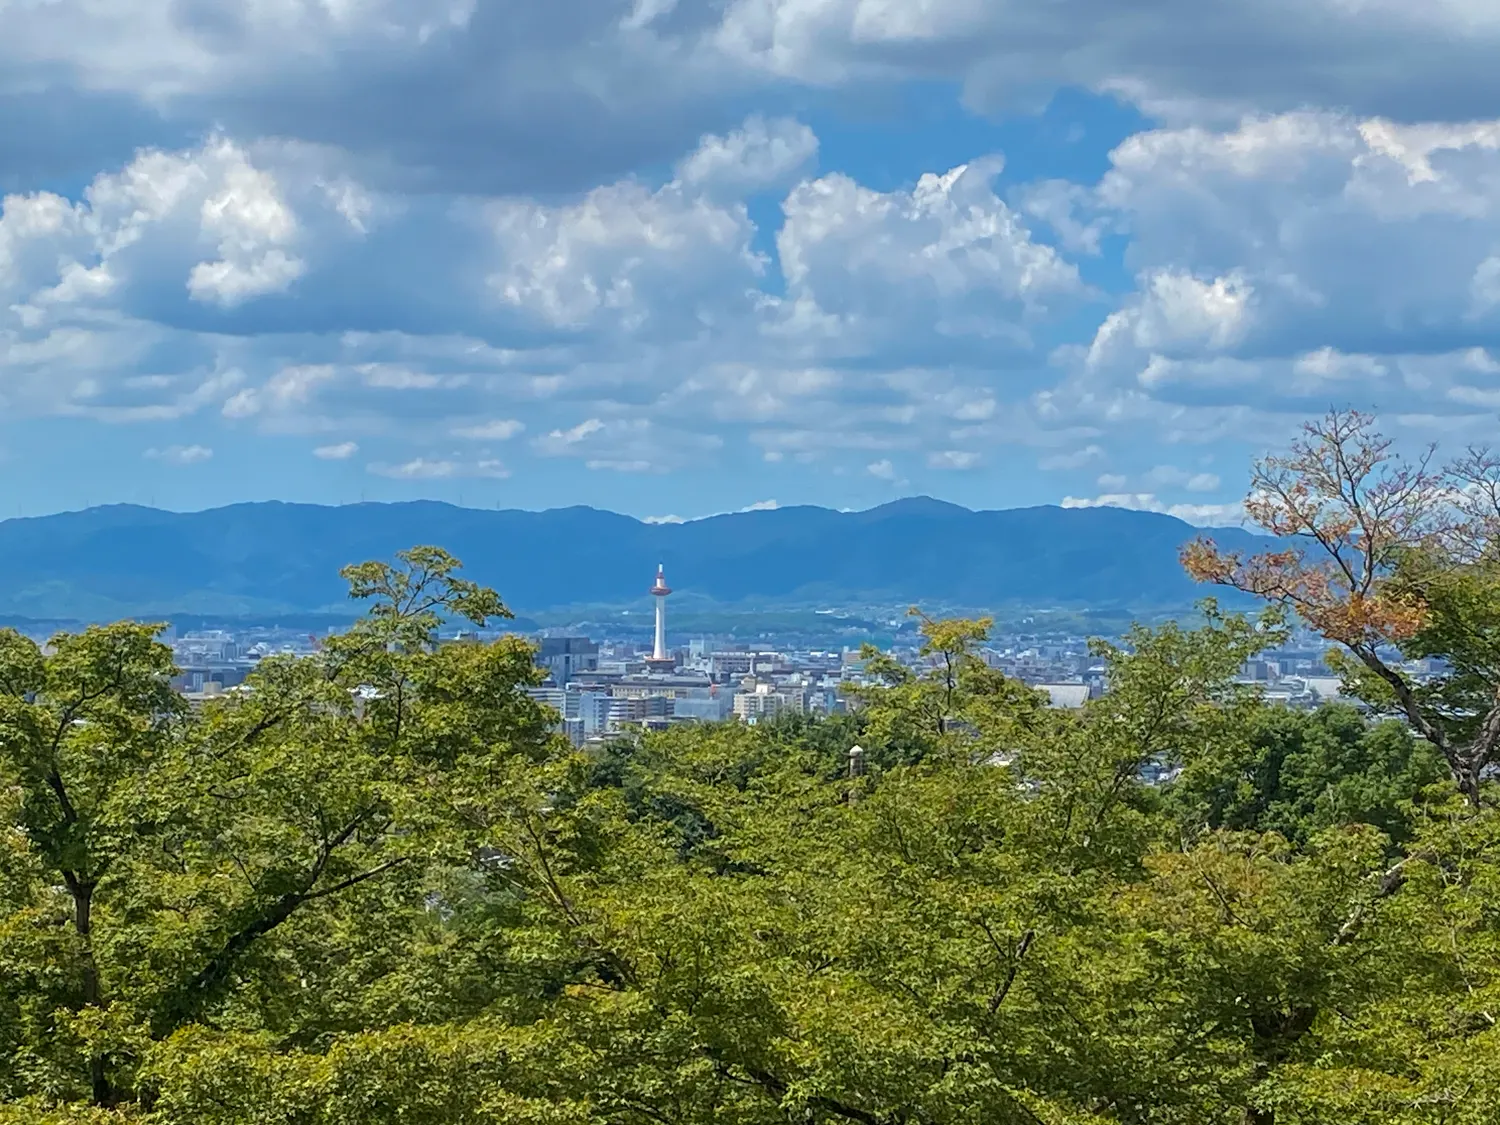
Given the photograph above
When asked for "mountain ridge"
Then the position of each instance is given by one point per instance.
(272, 557)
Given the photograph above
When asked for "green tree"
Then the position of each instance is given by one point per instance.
(85, 731)
(911, 713)
(375, 889)
(1298, 773)
(259, 866)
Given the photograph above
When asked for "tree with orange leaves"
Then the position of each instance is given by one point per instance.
(1393, 559)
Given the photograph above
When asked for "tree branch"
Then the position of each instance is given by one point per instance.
(1015, 968)
(1390, 881)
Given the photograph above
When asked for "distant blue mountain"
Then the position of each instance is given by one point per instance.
(275, 558)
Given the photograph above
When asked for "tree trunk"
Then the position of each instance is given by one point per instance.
(1468, 783)
(83, 925)
(1273, 1035)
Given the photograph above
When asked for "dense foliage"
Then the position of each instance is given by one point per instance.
(376, 888)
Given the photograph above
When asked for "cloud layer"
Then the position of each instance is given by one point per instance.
(463, 240)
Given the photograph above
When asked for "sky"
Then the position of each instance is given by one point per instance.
(680, 257)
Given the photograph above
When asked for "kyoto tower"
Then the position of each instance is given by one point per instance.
(659, 658)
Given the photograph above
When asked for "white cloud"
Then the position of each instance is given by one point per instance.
(423, 468)
(616, 85)
(1282, 263)
(975, 410)
(621, 465)
(663, 519)
(624, 255)
(499, 429)
(762, 154)
(1177, 311)
(180, 454)
(1171, 57)
(627, 445)
(1290, 263)
(664, 312)
(290, 389)
(882, 469)
(228, 283)
(1077, 459)
(399, 377)
(155, 217)
(1204, 515)
(761, 506)
(953, 459)
(1332, 364)
(340, 452)
(252, 223)
(948, 256)
(1171, 475)
(1305, 225)
(559, 440)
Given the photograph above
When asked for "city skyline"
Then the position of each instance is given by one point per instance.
(767, 251)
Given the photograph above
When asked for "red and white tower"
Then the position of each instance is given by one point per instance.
(660, 591)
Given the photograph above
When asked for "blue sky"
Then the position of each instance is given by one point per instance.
(677, 257)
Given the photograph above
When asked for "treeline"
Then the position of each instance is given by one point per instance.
(376, 888)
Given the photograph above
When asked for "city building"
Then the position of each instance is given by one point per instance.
(713, 706)
(566, 657)
(1066, 696)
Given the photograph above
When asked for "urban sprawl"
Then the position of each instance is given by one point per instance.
(601, 687)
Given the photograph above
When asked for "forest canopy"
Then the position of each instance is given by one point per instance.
(377, 886)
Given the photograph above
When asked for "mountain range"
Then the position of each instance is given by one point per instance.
(264, 559)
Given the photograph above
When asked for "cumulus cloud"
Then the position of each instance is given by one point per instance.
(1176, 311)
(634, 321)
(447, 92)
(1204, 515)
(760, 155)
(1311, 230)
(340, 452)
(253, 226)
(207, 218)
(949, 254)
(421, 319)
(624, 254)
(1288, 263)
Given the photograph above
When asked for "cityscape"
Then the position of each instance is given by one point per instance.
(605, 685)
(749, 562)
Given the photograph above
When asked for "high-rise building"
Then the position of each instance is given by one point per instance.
(565, 657)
